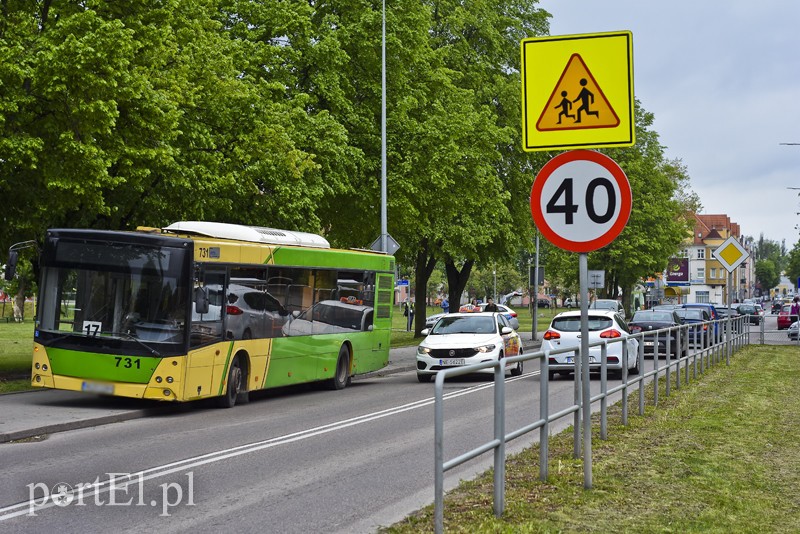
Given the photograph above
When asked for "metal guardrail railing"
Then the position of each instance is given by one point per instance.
(722, 338)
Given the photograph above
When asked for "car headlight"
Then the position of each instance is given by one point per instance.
(423, 350)
(485, 348)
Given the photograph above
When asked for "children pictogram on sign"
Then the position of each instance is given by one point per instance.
(577, 86)
(565, 106)
(586, 97)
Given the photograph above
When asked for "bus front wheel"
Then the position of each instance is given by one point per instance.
(341, 377)
(228, 400)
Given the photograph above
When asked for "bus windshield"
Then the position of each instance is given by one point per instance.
(99, 292)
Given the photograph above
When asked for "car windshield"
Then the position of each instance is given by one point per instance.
(573, 324)
(605, 305)
(659, 316)
(690, 314)
(459, 324)
(747, 310)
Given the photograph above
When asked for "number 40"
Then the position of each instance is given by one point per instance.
(569, 208)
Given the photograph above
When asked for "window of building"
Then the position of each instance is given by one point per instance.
(701, 253)
(702, 297)
(701, 273)
(712, 272)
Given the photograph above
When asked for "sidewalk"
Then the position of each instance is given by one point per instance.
(34, 413)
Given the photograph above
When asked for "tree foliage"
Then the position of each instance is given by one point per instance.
(659, 223)
(767, 273)
(793, 264)
(114, 115)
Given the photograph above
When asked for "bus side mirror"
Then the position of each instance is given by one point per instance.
(201, 303)
(11, 266)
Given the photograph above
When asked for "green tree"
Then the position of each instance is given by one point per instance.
(793, 263)
(479, 44)
(658, 225)
(767, 274)
(114, 115)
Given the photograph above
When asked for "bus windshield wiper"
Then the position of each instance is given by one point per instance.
(130, 336)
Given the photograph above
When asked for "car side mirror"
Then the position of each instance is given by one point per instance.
(11, 266)
(201, 303)
(425, 331)
(506, 330)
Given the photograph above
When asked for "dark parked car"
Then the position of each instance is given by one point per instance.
(698, 318)
(713, 314)
(751, 311)
(652, 320)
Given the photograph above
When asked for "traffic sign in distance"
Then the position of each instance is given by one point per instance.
(581, 200)
(730, 254)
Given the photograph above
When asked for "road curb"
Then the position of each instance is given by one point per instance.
(6, 437)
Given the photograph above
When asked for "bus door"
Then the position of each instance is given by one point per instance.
(206, 362)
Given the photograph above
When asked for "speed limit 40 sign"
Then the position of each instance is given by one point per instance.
(581, 200)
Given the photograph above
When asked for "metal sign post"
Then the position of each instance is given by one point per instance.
(580, 202)
(586, 393)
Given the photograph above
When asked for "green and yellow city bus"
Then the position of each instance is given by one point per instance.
(202, 309)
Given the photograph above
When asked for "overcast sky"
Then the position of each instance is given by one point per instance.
(723, 81)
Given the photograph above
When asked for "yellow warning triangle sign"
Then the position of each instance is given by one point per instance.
(577, 102)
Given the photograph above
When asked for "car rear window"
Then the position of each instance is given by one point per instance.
(573, 324)
(665, 317)
(691, 314)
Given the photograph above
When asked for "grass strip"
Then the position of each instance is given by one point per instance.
(722, 455)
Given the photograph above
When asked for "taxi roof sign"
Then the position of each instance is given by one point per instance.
(577, 91)
(730, 254)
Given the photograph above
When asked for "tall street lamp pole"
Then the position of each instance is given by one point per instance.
(384, 225)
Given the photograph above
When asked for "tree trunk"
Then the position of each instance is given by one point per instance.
(424, 268)
(457, 281)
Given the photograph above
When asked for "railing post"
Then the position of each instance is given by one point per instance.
(438, 454)
(655, 368)
(669, 362)
(500, 435)
(729, 340)
(544, 414)
(625, 381)
(603, 389)
(576, 417)
(640, 355)
(678, 338)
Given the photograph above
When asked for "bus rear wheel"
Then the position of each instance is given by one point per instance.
(228, 400)
(341, 377)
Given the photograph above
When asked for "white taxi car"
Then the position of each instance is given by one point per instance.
(565, 332)
(459, 339)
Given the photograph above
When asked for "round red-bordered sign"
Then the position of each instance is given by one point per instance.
(581, 200)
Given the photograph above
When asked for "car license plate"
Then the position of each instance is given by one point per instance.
(95, 387)
(571, 359)
(452, 362)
